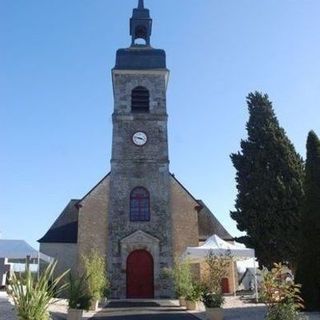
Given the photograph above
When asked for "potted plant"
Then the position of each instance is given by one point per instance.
(32, 297)
(212, 298)
(97, 281)
(79, 299)
(213, 302)
(182, 280)
(193, 297)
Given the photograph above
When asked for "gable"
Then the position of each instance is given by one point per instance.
(208, 224)
(65, 228)
(94, 191)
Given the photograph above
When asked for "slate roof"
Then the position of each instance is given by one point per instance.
(209, 224)
(140, 58)
(65, 228)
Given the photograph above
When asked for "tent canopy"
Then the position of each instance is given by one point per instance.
(19, 250)
(219, 247)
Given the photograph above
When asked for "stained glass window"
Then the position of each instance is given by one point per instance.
(139, 204)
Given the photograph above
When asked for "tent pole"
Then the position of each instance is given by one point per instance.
(38, 265)
(234, 278)
(255, 280)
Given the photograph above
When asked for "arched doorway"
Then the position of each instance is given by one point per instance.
(140, 275)
(225, 285)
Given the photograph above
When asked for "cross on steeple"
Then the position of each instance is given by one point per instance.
(140, 24)
(140, 4)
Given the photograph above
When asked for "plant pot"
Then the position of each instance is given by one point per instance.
(191, 305)
(74, 314)
(182, 301)
(94, 305)
(214, 313)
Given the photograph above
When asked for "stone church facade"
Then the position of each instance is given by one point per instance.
(139, 216)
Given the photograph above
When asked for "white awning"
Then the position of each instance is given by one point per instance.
(20, 250)
(219, 247)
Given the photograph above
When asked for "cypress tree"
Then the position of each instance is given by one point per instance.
(309, 266)
(270, 186)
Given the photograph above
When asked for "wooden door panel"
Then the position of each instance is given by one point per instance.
(140, 275)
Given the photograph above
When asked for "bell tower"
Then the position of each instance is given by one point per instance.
(139, 233)
(140, 24)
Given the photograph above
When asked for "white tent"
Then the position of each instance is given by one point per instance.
(219, 247)
(20, 253)
(19, 250)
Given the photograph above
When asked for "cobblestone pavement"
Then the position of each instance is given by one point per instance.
(7, 311)
(234, 309)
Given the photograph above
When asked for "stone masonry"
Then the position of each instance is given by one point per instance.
(93, 220)
(133, 166)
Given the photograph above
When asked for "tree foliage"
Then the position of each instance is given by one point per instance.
(282, 297)
(95, 271)
(182, 277)
(270, 186)
(216, 268)
(309, 265)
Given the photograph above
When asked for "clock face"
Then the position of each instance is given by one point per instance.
(139, 138)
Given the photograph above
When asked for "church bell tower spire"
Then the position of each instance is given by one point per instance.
(141, 4)
(140, 24)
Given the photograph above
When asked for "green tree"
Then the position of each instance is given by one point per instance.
(270, 186)
(308, 273)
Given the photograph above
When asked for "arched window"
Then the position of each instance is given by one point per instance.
(141, 33)
(139, 204)
(140, 99)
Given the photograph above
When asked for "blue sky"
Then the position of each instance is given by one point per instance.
(56, 95)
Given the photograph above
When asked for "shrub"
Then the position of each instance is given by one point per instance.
(195, 292)
(212, 300)
(216, 270)
(282, 311)
(95, 271)
(181, 275)
(32, 297)
(281, 297)
(77, 293)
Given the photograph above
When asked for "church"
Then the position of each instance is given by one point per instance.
(139, 216)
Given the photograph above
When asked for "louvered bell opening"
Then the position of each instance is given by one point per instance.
(140, 100)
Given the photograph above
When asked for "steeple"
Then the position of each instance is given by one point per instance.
(140, 5)
(140, 56)
(140, 24)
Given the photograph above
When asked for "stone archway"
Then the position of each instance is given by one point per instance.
(141, 241)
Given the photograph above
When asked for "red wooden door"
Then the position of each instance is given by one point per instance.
(225, 285)
(140, 275)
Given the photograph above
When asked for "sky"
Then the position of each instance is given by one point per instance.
(56, 96)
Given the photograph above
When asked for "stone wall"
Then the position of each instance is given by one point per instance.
(231, 274)
(93, 220)
(184, 218)
(139, 166)
(66, 255)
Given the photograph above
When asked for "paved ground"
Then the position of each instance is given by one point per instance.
(168, 312)
(6, 309)
(234, 309)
